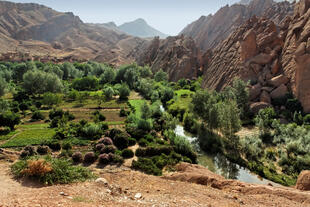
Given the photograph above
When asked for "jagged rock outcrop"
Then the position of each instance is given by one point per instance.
(209, 31)
(252, 52)
(296, 53)
(42, 32)
(178, 56)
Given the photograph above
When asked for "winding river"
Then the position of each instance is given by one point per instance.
(220, 165)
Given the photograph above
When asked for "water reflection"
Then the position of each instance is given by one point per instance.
(220, 165)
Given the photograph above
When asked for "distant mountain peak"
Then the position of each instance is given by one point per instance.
(140, 28)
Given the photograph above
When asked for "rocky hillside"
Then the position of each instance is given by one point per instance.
(178, 56)
(274, 58)
(209, 31)
(40, 31)
(140, 28)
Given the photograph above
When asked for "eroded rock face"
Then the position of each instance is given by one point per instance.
(178, 56)
(296, 53)
(209, 31)
(303, 182)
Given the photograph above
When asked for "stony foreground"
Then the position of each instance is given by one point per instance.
(123, 187)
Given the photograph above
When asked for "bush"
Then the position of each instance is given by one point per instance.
(99, 147)
(42, 150)
(9, 119)
(131, 141)
(147, 166)
(89, 158)
(104, 159)
(37, 115)
(53, 145)
(123, 113)
(114, 132)
(143, 143)
(50, 170)
(153, 151)
(124, 92)
(108, 149)
(66, 146)
(127, 153)
(77, 157)
(121, 141)
(105, 141)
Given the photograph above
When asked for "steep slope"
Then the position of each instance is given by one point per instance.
(275, 59)
(178, 56)
(140, 28)
(26, 27)
(209, 31)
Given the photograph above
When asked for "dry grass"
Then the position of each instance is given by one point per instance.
(37, 168)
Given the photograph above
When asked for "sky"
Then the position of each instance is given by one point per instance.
(168, 16)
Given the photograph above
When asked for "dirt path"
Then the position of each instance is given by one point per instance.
(129, 188)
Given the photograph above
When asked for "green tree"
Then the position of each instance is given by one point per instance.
(146, 111)
(3, 86)
(51, 99)
(161, 76)
(9, 119)
(39, 82)
(108, 93)
(108, 76)
(124, 92)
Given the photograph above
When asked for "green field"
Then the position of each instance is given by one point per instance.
(30, 136)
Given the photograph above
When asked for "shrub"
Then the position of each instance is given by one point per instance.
(147, 166)
(123, 113)
(9, 119)
(30, 150)
(66, 146)
(104, 159)
(42, 150)
(131, 141)
(50, 170)
(105, 141)
(143, 143)
(307, 119)
(127, 153)
(53, 145)
(98, 116)
(92, 131)
(153, 151)
(121, 141)
(108, 149)
(114, 132)
(37, 115)
(99, 147)
(124, 92)
(117, 159)
(89, 158)
(77, 157)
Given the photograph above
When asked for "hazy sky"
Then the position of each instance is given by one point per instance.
(168, 16)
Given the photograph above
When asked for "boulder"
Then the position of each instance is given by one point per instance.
(265, 97)
(262, 59)
(256, 107)
(303, 182)
(255, 91)
(279, 92)
(278, 80)
(275, 67)
(248, 45)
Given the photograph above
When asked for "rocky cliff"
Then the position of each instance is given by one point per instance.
(178, 56)
(274, 58)
(209, 31)
(296, 52)
(40, 31)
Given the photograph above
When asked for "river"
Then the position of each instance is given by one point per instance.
(220, 165)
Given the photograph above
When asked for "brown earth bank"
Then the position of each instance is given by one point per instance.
(190, 185)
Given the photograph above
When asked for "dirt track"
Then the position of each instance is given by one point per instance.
(123, 185)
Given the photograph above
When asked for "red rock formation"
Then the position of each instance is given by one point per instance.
(178, 56)
(296, 53)
(209, 31)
